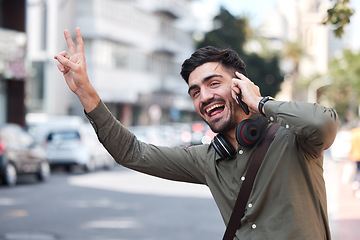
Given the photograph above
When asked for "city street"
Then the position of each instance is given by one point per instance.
(63, 63)
(107, 205)
(343, 206)
(120, 204)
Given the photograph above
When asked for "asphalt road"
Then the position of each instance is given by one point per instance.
(121, 204)
(107, 205)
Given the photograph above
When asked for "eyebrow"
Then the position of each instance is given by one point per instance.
(203, 81)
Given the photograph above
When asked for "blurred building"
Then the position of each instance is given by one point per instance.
(134, 50)
(300, 22)
(12, 61)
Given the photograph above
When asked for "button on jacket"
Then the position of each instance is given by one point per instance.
(288, 200)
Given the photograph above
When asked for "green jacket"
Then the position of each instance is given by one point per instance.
(288, 200)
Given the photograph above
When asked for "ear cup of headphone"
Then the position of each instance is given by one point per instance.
(248, 132)
(222, 146)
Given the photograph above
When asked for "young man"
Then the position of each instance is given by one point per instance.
(288, 199)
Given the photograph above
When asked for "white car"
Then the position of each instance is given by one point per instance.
(69, 147)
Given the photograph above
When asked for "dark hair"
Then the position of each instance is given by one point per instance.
(227, 57)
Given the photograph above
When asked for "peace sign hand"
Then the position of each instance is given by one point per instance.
(73, 67)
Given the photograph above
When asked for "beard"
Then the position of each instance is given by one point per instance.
(222, 125)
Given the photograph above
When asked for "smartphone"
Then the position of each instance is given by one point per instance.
(243, 105)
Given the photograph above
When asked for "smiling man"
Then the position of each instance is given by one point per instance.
(288, 198)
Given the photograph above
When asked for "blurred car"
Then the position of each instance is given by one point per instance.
(199, 133)
(160, 135)
(174, 134)
(19, 154)
(70, 147)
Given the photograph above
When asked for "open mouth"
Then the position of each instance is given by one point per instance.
(214, 109)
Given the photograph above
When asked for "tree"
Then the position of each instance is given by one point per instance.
(232, 32)
(339, 16)
(229, 32)
(344, 92)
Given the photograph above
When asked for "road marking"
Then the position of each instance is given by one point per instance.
(139, 183)
(115, 223)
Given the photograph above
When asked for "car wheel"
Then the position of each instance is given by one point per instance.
(10, 177)
(90, 165)
(44, 172)
(69, 168)
(108, 165)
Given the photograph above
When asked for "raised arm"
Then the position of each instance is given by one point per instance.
(73, 67)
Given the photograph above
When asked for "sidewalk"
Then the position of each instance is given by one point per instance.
(343, 206)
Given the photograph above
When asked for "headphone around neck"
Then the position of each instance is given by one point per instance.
(248, 132)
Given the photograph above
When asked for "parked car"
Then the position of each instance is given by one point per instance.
(19, 154)
(76, 147)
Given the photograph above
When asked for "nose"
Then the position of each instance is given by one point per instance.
(206, 95)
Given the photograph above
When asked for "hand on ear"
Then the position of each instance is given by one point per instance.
(249, 91)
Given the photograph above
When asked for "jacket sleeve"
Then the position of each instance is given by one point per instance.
(177, 163)
(314, 125)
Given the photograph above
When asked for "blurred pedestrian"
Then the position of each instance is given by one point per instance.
(355, 156)
(288, 198)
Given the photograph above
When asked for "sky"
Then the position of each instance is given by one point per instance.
(254, 9)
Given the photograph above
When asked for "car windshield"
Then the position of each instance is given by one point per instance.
(65, 135)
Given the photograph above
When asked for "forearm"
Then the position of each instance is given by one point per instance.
(169, 163)
(88, 97)
(316, 125)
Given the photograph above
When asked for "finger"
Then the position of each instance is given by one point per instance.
(65, 61)
(79, 41)
(61, 67)
(64, 54)
(69, 41)
(235, 90)
(241, 76)
(235, 85)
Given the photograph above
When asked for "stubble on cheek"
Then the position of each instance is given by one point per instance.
(225, 123)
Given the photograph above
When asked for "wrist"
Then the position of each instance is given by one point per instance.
(88, 98)
(262, 103)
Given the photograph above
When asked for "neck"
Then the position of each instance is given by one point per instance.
(231, 134)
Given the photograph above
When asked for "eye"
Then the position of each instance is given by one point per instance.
(214, 83)
(195, 93)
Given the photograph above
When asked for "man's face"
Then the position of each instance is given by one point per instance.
(210, 90)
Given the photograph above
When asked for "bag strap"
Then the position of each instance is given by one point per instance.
(246, 187)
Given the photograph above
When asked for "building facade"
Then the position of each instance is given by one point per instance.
(12, 62)
(300, 22)
(133, 48)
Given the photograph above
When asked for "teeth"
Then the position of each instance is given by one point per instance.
(213, 107)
